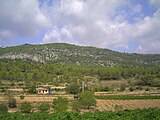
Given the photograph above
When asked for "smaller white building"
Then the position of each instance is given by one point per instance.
(42, 91)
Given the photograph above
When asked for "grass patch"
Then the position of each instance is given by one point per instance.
(126, 97)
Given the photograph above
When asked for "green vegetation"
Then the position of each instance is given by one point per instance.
(57, 73)
(86, 99)
(21, 97)
(32, 88)
(146, 114)
(26, 107)
(12, 103)
(72, 54)
(3, 108)
(44, 107)
(60, 104)
(127, 97)
(73, 89)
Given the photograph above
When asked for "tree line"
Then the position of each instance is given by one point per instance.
(23, 71)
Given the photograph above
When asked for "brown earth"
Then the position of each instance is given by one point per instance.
(113, 105)
(101, 105)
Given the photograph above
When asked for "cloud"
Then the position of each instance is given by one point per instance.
(147, 31)
(101, 23)
(85, 22)
(104, 23)
(155, 2)
(20, 18)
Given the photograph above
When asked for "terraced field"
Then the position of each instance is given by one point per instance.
(113, 105)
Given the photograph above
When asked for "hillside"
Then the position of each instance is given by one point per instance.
(71, 54)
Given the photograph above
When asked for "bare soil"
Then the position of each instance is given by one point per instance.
(113, 105)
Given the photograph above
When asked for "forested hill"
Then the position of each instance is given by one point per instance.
(71, 54)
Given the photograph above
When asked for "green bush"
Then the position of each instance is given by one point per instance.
(60, 104)
(131, 88)
(32, 89)
(73, 89)
(3, 108)
(106, 89)
(76, 105)
(44, 107)
(26, 107)
(21, 97)
(87, 99)
(12, 103)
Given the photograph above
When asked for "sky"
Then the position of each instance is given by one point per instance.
(131, 26)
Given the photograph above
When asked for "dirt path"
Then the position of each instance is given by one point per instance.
(36, 98)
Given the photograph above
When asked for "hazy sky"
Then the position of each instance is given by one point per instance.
(121, 25)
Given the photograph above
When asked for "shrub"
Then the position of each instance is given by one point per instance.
(87, 99)
(131, 88)
(106, 89)
(44, 107)
(122, 87)
(147, 89)
(73, 89)
(76, 105)
(60, 104)
(12, 103)
(32, 89)
(3, 108)
(139, 88)
(21, 97)
(26, 107)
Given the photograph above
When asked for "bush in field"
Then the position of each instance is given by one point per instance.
(147, 89)
(44, 107)
(12, 103)
(106, 89)
(60, 104)
(131, 88)
(73, 89)
(26, 107)
(3, 108)
(21, 97)
(139, 88)
(122, 87)
(76, 105)
(87, 99)
(32, 89)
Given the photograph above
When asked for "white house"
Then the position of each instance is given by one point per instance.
(42, 91)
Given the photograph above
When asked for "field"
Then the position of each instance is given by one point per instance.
(127, 97)
(114, 105)
(146, 114)
(103, 103)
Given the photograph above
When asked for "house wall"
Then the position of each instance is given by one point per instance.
(43, 91)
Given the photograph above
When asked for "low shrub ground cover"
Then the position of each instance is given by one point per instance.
(145, 114)
(126, 97)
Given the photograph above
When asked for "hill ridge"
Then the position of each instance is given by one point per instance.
(65, 53)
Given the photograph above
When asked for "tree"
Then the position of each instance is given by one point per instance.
(32, 89)
(44, 107)
(3, 108)
(87, 99)
(26, 107)
(12, 103)
(60, 104)
(21, 97)
(73, 89)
